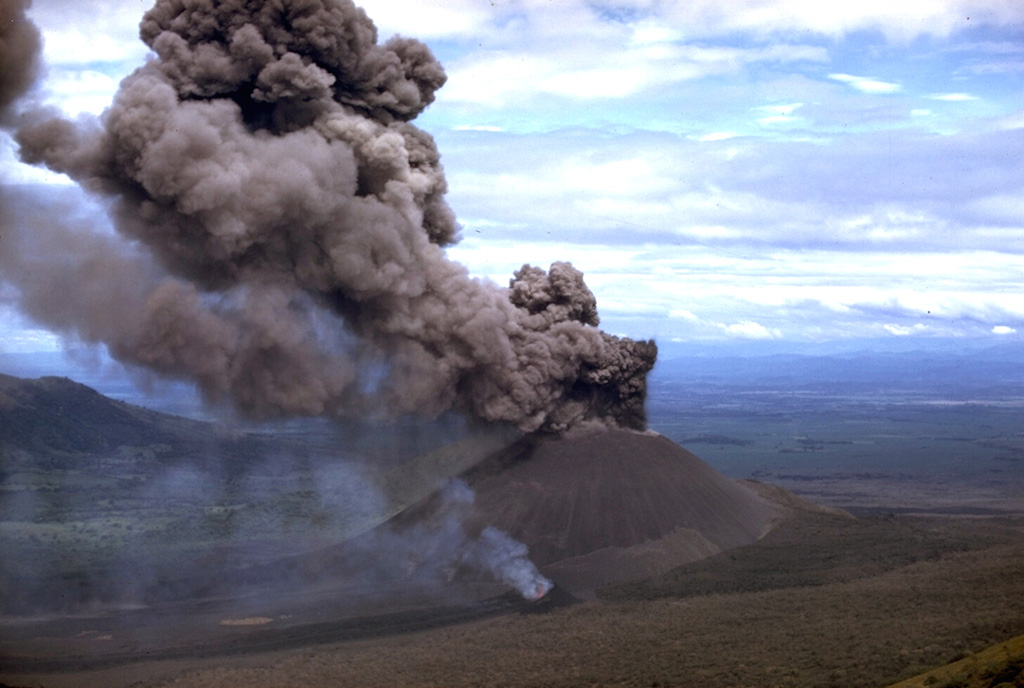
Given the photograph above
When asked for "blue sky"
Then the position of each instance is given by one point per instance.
(782, 171)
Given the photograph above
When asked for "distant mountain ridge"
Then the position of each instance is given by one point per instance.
(51, 420)
(56, 414)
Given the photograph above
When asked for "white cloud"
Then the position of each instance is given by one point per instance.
(605, 81)
(898, 21)
(748, 329)
(650, 188)
(19, 335)
(430, 20)
(860, 193)
(715, 136)
(15, 341)
(904, 330)
(86, 33)
(777, 115)
(648, 32)
(1004, 208)
(866, 84)
(666, 22)
(80, 91)
(1011, 121)
(495, 79)
(583, 66)
(1003, 329)
(952, 97)
(786, 109)
(777, 119)
(71, 46)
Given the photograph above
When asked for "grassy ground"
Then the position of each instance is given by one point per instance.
(999, 666)
(819, 550)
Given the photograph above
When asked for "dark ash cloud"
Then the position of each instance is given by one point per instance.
(282, 231)
(20, 48)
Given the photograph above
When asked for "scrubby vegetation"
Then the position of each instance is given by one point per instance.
(999, 666)
(944, 590)
(863, 631)
(819, 550)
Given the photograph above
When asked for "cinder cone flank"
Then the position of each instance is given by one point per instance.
(612, 505)
(591, 508)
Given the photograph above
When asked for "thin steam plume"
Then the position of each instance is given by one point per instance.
(443, 543)
(288, 225)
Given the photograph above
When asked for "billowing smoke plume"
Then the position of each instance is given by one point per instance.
(283, 228)
(19, 53)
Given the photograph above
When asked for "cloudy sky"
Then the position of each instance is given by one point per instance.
(785, 170)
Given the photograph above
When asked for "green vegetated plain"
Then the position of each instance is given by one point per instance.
(917, 444)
